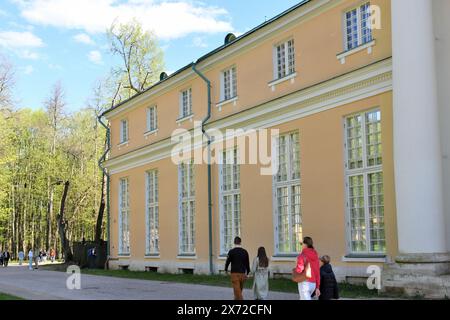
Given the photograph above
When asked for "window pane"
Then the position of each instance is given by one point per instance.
(281, 60)
(354, 142)
(124, 232)
(352, 29)
(376, 212)
(291, 56)
(357, 218)
(373, 138)
(366, 27)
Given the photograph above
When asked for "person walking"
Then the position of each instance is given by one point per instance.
(328, 284)
(260, 271)
(52, 255)
(6, 257)
(37, 257)
(308, 261)
(240, 267)
(30, 259)
(21, 256)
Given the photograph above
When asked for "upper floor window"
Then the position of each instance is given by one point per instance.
(229, 84)
(357, 26)
(123, 131)
(284, 57)
(186, 103)
(152, 121)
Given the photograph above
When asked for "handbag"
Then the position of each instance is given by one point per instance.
(304, 275)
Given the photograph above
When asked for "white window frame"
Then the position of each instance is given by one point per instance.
(233, 83)
(189, 199)
(359, 27)
(124, 134)
(188, 113)
(365, 171)
(152, 224)
(287, 72)
(229, 193)
(122, 250)
(289, 183)
(152, 125)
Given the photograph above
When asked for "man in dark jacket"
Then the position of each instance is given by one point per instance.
(328, 284)
(240, 267)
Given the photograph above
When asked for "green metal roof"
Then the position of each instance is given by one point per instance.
(217, 50)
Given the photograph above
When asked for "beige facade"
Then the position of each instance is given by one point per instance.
(329, 84)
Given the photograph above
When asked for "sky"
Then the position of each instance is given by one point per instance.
(64, 40)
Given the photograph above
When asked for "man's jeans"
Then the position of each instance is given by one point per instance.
(238, 279)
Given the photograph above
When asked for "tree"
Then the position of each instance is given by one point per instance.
(6, 84)
(142, 60)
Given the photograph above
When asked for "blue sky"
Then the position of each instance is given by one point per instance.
(64, 40)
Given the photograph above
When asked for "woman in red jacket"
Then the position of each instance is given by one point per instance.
(312, 284)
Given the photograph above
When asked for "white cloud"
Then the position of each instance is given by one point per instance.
(55, 67)
(3, 13)
(168, 19)
(27, 54)
(16, 40)
(95, 56)
(199, 42)
(84, 38)
(28, 70)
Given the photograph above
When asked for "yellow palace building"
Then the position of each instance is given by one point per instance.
(350, 100)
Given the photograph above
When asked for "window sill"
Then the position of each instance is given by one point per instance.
(364, 258)
(291, 77)
(152, 256)
(225, 102)
(149, 133)
(189, 117)
(187, 256)
(123, 255)
(222, 257)
(284, 258)
(123, 144)
(369, 46)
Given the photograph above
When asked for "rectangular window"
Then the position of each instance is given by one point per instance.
(123, 131)
(152, 244)
(186, 192)
(357, 26)
(186, 103)
(364, 176)
(124, 216)
(230, 199)
(152, 120)
(287, 195)
(284, 59)
(229, 84)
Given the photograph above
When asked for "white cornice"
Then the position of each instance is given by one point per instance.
(357, 85)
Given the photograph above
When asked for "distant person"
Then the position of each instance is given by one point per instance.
(260, 270)
(6, 257)
(240, 267)
(52, 255)
(328, 284)
(21, 256)
(30, 259)
(37, 258)
(308, 260)
(92, 256)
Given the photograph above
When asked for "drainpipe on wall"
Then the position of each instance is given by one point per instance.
(105, 172)
(208, 146)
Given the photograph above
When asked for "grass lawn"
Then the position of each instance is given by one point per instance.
(281, 285)
(4, 296)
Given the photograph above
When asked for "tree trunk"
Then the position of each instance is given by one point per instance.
(62, 224)
(49, 215)
(101, 211)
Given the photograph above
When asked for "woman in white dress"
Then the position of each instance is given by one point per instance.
(260, 270)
